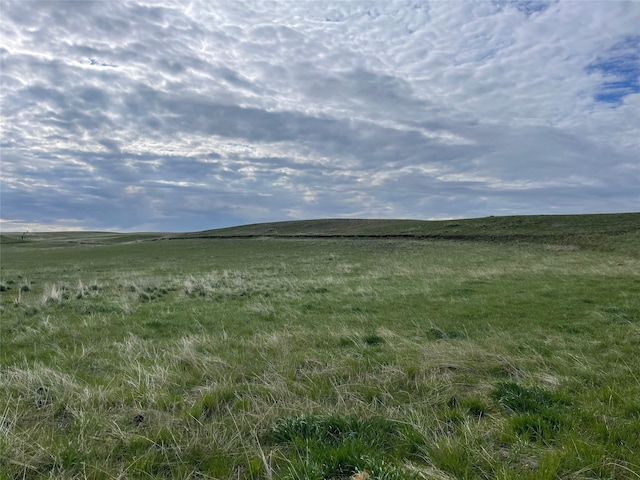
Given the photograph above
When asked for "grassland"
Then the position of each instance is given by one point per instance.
(505, 347)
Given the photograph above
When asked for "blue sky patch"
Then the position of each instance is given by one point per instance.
(528, 7)
(620, 67)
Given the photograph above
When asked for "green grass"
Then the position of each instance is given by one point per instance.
(392, 348)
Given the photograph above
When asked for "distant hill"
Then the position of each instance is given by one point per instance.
(598, 231)
(581, 230)
(78, 237)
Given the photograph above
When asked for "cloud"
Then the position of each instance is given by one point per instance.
(184, 116)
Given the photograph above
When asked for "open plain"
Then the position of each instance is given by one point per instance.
(502, 347)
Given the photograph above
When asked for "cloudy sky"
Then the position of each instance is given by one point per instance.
(179, 116)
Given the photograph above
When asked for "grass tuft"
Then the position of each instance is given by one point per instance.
(340, 446)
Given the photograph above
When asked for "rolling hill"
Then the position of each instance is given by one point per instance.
(582, 231)
(589, 230)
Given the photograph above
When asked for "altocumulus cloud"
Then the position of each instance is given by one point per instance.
(172, 115)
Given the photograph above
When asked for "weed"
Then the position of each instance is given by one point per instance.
(53, 293)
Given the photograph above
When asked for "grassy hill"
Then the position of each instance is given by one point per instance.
(593, 231)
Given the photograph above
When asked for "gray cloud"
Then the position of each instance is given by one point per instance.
(184, 116)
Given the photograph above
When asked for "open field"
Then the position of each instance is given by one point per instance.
(490, 348)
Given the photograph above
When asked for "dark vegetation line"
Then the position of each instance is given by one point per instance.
(505, 238)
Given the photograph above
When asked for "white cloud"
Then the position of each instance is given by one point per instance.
(172, 115)
(21, 226)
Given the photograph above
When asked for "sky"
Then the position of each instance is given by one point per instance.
(183, 116)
